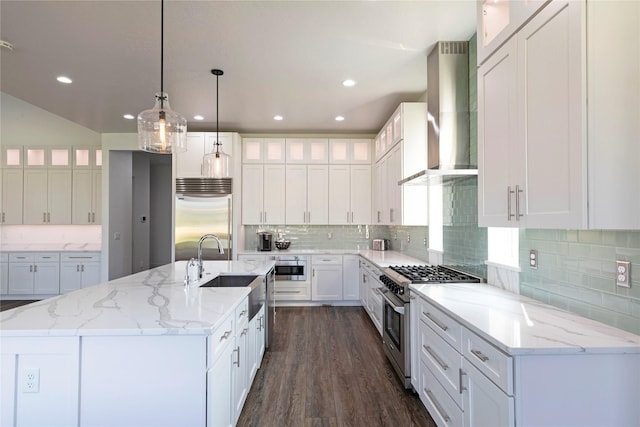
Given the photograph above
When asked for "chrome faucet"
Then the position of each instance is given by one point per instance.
(202, 239)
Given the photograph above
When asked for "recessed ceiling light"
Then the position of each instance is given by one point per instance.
(64, 79)
(129, 116)
(198, 117)
(348, 83)
(339, 118)
(278, 118)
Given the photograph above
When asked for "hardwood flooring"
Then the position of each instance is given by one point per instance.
(326, 367)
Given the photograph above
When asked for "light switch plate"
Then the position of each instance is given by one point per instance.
(623, 274)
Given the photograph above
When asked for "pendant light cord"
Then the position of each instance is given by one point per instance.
(162, 54)
(217, 119)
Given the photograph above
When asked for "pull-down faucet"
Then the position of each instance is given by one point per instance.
(202, 239)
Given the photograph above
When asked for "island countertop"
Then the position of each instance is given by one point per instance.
(519, 325)
(152, 302)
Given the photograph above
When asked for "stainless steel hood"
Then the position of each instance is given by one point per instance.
(448, 136)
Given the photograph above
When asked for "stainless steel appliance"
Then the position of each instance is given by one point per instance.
(265, 241)
(379, 244)
(291, 268)
(203, 206)
(270, 307)
(396, 330)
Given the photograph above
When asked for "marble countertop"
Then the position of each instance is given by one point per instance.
(382, 259)
(152, 302)
(51, 247)
(519, 325)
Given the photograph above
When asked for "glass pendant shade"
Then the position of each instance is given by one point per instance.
(160, 129)
(216, 164)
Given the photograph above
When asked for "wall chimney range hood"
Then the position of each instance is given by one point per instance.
(448, 135)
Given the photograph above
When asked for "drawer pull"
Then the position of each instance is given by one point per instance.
(244, 332)
(479, 355)
(439, 408)
(243, 312)
(436, 358)
(288, 292)
(225, 335)
(436, 321)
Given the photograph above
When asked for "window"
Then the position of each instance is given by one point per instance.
(504, 244)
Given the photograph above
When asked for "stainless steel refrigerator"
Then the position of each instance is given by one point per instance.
(203, 205)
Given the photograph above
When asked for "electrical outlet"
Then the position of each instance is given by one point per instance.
(533, 258)
(329, 235)
(31, 380)
(424, 241)
(408, 238)
(623, 274)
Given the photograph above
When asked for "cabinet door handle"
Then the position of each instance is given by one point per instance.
(439, 408)
(244, 332)
(436, 321)
(243, 312)
(31, 269)
(237, 363)
(439, 361)
(265, 217)
(479, 355)
(518, 191)
(378, 216)
(93, 217)
(77, 268)
(313, 272)
(462, 373)
(44, 217)
(509, 193)
(35, 268)
(48, 216)
(391, 215)
(88, 216)
(225, 335)
(82, 268)
(3, 217)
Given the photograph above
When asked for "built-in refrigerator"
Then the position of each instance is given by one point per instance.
(200, 211)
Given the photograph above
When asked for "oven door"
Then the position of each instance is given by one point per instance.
(394, 334)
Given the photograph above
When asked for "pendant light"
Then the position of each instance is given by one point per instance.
(216, 163)
(160, 129)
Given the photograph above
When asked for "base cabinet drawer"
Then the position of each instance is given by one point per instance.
(442, 324)
(295, 292)
(493, 363)
(440, 405)
(443, 361)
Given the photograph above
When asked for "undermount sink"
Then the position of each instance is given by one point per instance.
(228, 281)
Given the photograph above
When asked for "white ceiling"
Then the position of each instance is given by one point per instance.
(279, 57)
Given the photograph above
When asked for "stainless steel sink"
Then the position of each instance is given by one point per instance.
(227, 281)
(257, 295)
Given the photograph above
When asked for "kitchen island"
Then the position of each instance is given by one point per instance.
(139, 350)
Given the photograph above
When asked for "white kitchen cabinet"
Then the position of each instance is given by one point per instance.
(12, 156)
(394, 196)
(380, 193)
(47, 196)
(87, 158)
(349, 194)
(263, 150)
(364, 285)
(351, 277)
(34, 273)
(349, 151)
(578, 156)
(87, 196)
(306, 194)
(240, 368)
(189, 163)
(499, 20)
(79, 270)
(307, 150)
(4, 273)
(414, 319)
(326, 277)
(263, 195)
(12, 196)
(371, 298)
(484, 403)
(256, 344)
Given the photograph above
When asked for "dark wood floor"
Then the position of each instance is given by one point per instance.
(326, 367)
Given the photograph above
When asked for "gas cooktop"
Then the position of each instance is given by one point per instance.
(433, 274)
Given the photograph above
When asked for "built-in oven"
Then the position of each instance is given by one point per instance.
(291, 268)
(395, 331)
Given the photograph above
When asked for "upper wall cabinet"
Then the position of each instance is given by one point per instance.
(307, 150)
(12, 157)
(350, 151)
(263, 150)
(189, 163)
(498, 20)
(547, 158)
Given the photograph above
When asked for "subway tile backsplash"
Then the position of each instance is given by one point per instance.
(577, 271)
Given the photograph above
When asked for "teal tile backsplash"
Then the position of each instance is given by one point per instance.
(577, 271)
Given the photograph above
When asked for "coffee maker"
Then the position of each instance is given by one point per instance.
(265, 241)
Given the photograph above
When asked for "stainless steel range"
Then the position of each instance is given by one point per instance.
(396, 335)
